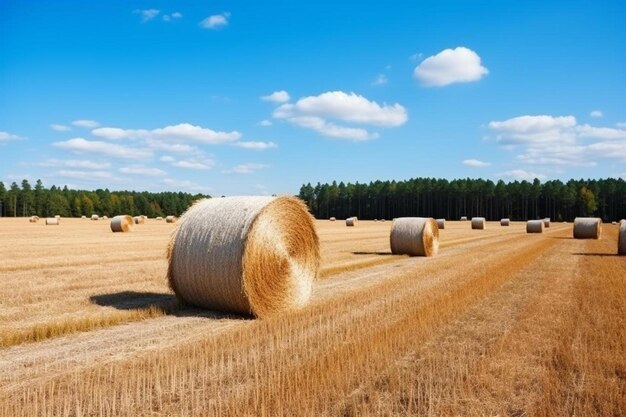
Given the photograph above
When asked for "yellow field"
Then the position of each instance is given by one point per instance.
(499, 323)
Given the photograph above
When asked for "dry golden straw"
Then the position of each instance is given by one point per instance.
(415, 236)
(95, 217)
(170, 219)
(122, 223)
(441, 223)
(505, 222)
(546, 222)
(587, 228)
(534, 226)
(53, 221)
(621, 238)
(351, 221)
(252, 255)
(139, 219)
(34, 219)
(478, 223)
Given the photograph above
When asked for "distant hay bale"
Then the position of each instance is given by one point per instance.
(144, 217)
(83, 217)
(58, 216)
(139, 219)
(383, 220)
(534, 226)
(33, 219)
(351, 221)
(332, 219)
(122, 223)
(105, 217)
(53, 221)
(505, 222)
(546, 222)
(463, 218)
(478, 223)
(621, 238)
(441, 223)
(171, 219)
(614, 223)
(159, 218)
(415, 236)
(254, 255)
(95, 217)
(587, 228)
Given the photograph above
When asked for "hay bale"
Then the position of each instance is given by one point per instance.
(58, 216)
(33, 219)
(415, 236)
(351, 221)
(621, 238)
(83, 217)
(505, 222)
(587, 228)
(95, 217)
(478, 223)
(546, 222)
(332, 219)
(254, 255)
(139, 219)
(53, 221)
(534, 226)
(614, 223)
(463, 218)
(122, 223)
(441, 223)
(105, 217)
(171, 219)
(159, 218)
(383, 220)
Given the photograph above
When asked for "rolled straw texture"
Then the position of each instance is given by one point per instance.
(252, 255)
(122, 224)
(415, 236)
(587, 228)
(441, 223)
(534, 226)
(478, 223)
(621, 238)
(505, 222)
(55, 221)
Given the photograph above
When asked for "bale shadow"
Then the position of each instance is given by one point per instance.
(168, 303)
(373, 253)
(594, 254)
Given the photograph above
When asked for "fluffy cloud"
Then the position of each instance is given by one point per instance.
(60, 128)
(535, 129)
(520, 174)
(458, 65)
(256, 146)
(216, 21)
(265, 123)
(596, 113)
(173, 16)
(475, 163)
(313, 112)
(586, 131)
(183, 132)
(245, 169)
(198, 164)
(147, 14)
(75, 163)
(142, 170)
(6, 136)
(186, 185)
(277, 97)
(87, 175)
(160, 145)
(381, 79)
(80, 145)
(89, 124)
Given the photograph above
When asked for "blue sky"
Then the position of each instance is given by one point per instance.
(260, 97)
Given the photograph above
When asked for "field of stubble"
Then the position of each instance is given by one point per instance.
(499, 323)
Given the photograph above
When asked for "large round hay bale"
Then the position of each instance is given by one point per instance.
(621, 238)
(534, 226)
(139, 219)
(441, 223)
(587, 228)
(95, 217)
(415, 236)
(546, 222)
(122, 223)
(170, 219)
(33, 219)
(463, 218)
(478, 223)
(351, 221)
(53, 221)
(505, 222)
(254, 255)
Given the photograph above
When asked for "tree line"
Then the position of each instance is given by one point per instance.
(26, 200)
(441, 198)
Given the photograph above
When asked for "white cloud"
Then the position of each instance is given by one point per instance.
(277, 97)
(381, 79)
(245, 169)
(60, 128)
(75, 163)
(458, 65)
(86, 175)
(80, 145)
(535, 129)
(520, 174)
(312, 112)
(216, 21)
(89, 124)
(265, 123)
(183, 131)
(256, 146)
(596, 113)
(195, 163)
(167, 158)
(6, 136)
(170, 147)
(147, 14)
(621, 125)
(142, 170)
(586, 131)
(170, 17)
(177, 15)
(475, 163)
(186, 185)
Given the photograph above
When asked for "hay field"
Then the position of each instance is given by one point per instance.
(499, 323)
